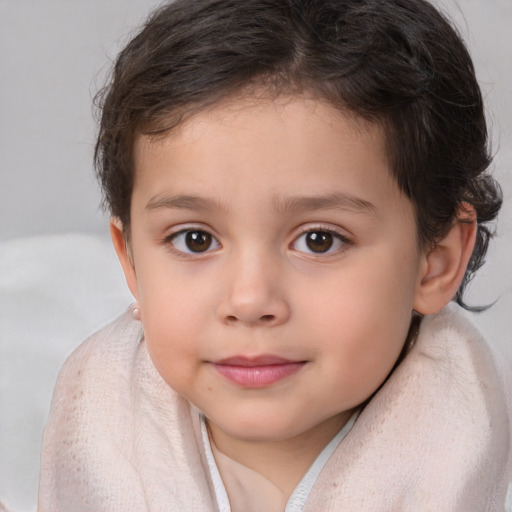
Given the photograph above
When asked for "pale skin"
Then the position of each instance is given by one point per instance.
(305, 249)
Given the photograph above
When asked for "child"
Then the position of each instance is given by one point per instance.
(298, 189)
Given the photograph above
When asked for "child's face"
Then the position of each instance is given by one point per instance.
(275, 263)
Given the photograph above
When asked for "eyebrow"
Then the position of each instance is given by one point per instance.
(296, 204)
(185, 202)
(332, 201)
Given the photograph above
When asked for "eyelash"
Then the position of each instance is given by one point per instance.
(171, 241)
(342, 240)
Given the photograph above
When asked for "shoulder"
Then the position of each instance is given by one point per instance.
(451, 349)
(451, 325)
(114, 431)
(102, 362)
(457, 407)
(117, 341)
(439, 425)
(466, 373)
(96, 377)
(460, 374)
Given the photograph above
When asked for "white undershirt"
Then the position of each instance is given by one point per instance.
(251, 498)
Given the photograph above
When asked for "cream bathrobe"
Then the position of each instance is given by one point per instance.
(436, 437)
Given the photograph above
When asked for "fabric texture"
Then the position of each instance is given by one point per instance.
(436, 436)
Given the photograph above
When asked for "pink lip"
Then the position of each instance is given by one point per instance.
(257, 372)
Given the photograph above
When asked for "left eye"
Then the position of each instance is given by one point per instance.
(193, 241)
(319, 242)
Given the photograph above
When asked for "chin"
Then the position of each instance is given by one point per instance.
(262, 431)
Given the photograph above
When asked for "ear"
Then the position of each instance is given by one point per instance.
(124, 254)
(444, 265)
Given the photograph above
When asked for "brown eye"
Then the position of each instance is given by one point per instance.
(319, 241)
(198, 241)
(194, 241)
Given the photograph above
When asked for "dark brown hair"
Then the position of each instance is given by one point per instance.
(399, 63)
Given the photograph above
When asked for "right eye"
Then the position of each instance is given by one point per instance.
(193, 241)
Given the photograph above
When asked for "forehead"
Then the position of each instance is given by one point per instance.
(258, 103)
(290, 145)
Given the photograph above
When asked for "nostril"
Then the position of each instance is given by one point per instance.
(265, 319)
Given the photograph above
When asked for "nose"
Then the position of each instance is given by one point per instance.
(254, 293)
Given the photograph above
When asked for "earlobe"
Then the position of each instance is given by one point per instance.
(124, 255)
(445, 264)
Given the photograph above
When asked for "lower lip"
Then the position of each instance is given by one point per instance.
(255, 377)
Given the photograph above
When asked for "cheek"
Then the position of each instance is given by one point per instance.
(363, 320)
(173, 326)
(368, 344)
(365, 296)
(363, 351)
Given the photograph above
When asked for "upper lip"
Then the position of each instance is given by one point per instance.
(262, 360)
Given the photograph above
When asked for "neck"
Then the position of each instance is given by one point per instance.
(283, 462)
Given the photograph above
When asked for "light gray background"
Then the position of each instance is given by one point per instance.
(53, 237)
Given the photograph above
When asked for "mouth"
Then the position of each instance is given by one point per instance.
(257, 372)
